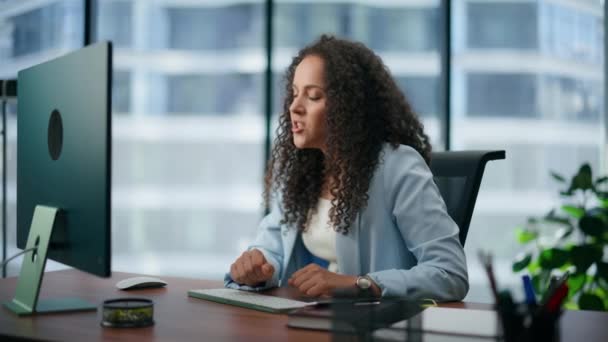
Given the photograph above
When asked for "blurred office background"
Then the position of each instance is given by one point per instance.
(190, 119)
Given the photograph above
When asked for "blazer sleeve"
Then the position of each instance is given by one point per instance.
(429, 233)
(268, 241)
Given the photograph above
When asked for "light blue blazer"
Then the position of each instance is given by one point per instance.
(404, 239)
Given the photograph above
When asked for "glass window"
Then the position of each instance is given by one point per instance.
(423, 94)
(48, 27)
(298, 24)
(568, 98)
(406, 36)
(510, 25)
(501, 95)
(386, 27)
(544, 108)
(215, 28)
(572, 34)
(188, 134)
(115, 19)
(121, 92)
(213, 94)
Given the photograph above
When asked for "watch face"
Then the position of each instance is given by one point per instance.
(363, 283)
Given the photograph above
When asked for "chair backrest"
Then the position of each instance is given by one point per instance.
(458, 176)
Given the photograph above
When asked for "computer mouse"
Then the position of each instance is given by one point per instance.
(140, 283)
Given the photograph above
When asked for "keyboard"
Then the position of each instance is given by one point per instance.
(250, 300)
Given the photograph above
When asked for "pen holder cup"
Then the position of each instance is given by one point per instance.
(523, 323)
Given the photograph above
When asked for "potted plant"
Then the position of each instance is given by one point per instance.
(571, 238)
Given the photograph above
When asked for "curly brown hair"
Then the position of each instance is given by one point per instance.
(365, 109)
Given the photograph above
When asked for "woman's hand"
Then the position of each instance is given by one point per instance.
(251, 268)
(314, 280)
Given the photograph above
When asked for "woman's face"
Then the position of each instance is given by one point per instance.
(308, 109)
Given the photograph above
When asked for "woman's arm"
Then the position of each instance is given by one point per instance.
(269, 242)
(420, 214)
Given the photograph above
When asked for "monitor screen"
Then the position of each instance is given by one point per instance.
(64, 154)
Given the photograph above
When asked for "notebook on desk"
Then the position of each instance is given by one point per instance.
(250, 300)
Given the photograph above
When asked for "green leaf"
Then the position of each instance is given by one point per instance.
(590, 301)
(564, 232)
(600, 292)
(573, 211)
(575, 283)
(585, 255)
(592, 225)
(521, 262)
(559, 220)
(524, 235)
(552, 217)
(558, 177)
(583, 179)
(601, 180)
(553, 258)
(533, 267)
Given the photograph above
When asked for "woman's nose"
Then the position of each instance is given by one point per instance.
(296, 106)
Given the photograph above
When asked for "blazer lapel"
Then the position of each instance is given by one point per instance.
(289, 241)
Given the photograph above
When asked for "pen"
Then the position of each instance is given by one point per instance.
(554, 285)
(564, 277)
(556, 300)
(486, 260)
(528, 290)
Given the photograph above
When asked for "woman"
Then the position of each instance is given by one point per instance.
(349, 168)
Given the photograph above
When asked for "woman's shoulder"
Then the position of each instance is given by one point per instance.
(399, 156)
(400, 167)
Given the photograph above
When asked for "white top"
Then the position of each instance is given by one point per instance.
(319, 237)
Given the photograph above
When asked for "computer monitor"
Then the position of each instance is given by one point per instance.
(64, 171)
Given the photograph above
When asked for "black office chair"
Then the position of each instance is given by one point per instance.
(458, 176)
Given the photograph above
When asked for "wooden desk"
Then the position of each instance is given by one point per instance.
(180, 318)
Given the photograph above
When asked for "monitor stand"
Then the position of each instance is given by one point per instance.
(26, 300)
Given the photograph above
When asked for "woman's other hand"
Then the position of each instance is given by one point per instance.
(314, 280)
(251, 268)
